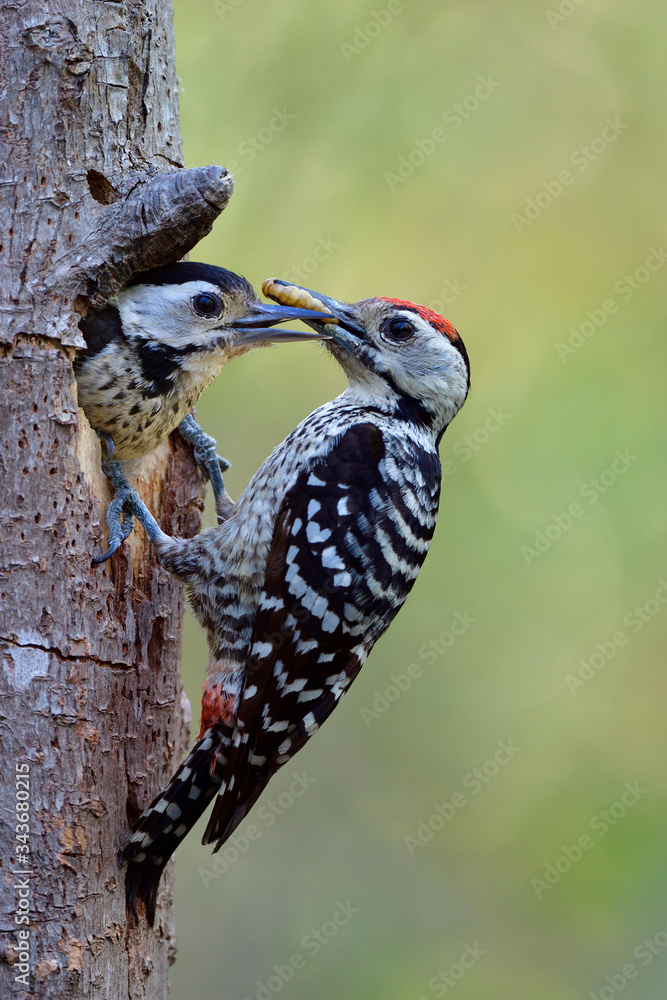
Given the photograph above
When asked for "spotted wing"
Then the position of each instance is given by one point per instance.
(348, 544)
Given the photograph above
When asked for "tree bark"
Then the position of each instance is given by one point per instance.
(92, 714)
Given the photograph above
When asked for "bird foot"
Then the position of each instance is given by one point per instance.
(121, 506)
(126, 505)
(206, 454)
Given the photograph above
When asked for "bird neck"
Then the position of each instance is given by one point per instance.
(377, 395)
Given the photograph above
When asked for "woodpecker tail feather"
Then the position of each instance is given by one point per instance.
(227, 815)
(168, 819)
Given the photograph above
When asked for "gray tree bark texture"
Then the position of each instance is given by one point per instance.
(92, 715)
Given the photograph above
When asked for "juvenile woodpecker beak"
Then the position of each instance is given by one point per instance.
(257, 326)
(342, 325)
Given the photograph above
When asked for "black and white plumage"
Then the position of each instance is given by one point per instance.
(160, 341)
(309, 569)
(155, 347)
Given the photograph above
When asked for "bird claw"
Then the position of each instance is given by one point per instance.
(118, 530)
(123, 505)
(205, 453)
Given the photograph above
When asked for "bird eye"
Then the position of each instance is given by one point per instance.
(207, 304)
(399, 330)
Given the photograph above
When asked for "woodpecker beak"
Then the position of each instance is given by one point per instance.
(257, 326)
(336, 321)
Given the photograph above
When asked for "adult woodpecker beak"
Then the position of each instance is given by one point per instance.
(258, 326)
(336, 321)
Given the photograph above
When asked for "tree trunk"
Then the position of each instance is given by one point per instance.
(92, 714)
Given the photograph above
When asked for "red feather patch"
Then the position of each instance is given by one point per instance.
(217, 705)
(434, 318)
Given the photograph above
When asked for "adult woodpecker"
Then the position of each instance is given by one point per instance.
(152, 351)
(309, 568)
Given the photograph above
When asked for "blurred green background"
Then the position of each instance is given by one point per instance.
(528, 218)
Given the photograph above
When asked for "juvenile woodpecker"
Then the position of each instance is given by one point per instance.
(152, 351)
(309, 568)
